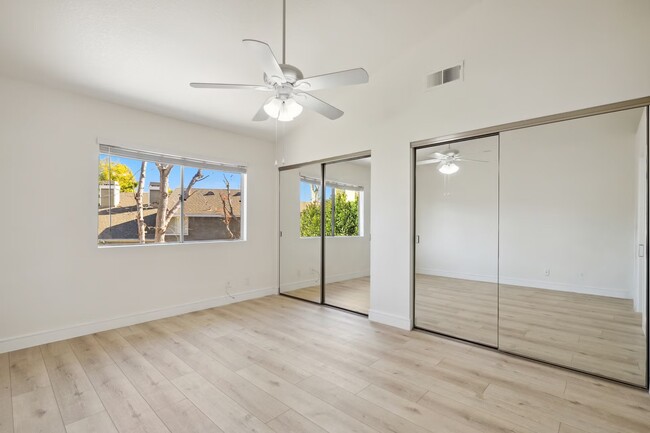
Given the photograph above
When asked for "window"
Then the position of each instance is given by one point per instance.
(343, 208)
(145, 198)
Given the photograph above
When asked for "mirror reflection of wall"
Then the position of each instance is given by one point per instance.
(541, 250)
(300, 242)
(572, 238)
(456, 252)
(347, 241)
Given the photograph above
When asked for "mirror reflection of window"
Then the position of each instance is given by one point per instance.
(347, 244)
(300, 230)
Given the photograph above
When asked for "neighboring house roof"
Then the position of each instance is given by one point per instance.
(207, 202)
(121, 220)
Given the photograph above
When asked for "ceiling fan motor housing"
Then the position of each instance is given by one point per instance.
(291, 73)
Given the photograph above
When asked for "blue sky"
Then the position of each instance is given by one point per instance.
(305, 191)
(213, 181)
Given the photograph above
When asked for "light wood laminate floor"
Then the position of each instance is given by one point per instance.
(353, 295)
(279, 365)
(597, 334)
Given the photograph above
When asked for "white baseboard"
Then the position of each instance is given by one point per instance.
(390, 320)
(525, 282)
(296, 285)
(565, 287)
(38, 338)
(459, 275)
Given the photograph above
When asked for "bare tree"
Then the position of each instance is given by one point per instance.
(228, 213)
(142, 226)
(164, 214)
(314, 193)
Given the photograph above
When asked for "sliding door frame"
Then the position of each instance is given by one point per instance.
(496, 131)
(323, 235)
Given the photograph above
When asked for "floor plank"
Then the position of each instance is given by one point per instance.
(36, 412)
(221, 409)
(97, 423)
(75, 395)
(6, 409)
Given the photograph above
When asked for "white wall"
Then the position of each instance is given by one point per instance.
(53, 275)
(522, 60)
(568, 205)
(345, 257)
(565, 198)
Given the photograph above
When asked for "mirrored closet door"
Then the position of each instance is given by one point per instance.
(325, 233)
(456, 251)
(347, 235)
(534, 241)
(572, 244)
(300, 236)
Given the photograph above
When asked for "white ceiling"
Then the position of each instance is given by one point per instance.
(143, 53)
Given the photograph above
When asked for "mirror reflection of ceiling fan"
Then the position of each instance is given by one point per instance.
(288, 85)
(447, 161)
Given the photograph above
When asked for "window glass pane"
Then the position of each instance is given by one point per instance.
(123, 219)
(309, 209)
(212, 206)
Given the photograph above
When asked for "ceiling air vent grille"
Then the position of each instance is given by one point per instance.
(445, 76)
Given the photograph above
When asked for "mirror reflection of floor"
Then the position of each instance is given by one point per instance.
(596, 334)
(460, 308)
(351, 294)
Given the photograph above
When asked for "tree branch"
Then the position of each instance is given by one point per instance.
(198, 176)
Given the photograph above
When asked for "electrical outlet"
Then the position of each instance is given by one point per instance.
(247, 281)
(547, 272)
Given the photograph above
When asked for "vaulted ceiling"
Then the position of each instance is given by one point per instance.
(143, 53)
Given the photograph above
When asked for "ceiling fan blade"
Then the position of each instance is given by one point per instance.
(229, 86)
(334, 79)
(470, 160)
(428, 161)
(321, 107)
(265, 56)
(477, 152)
(260, 115)
(439, 155)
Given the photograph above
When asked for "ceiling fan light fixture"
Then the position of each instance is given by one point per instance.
(448, 168)
(285, 110)
(272, 107)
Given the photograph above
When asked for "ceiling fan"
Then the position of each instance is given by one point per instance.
(447, 160)
(288, 85)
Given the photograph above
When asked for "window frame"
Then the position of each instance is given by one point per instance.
(181, 163)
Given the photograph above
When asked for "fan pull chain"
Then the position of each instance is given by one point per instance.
(276, 143)
(284, 31)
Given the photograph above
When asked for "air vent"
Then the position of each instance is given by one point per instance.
(445, 76)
